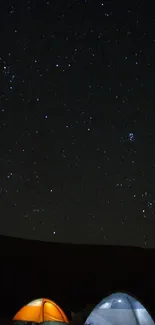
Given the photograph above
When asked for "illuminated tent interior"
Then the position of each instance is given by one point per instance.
(119, 309)
(40, 311)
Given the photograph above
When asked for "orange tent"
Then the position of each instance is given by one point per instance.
(40, 311)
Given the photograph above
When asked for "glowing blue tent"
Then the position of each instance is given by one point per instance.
(119, 309)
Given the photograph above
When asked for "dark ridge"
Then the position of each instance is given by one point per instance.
(72, 275)
(19, 246)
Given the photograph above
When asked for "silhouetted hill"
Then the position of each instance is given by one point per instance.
(72, 274)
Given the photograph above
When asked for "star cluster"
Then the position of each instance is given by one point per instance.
(77, 121)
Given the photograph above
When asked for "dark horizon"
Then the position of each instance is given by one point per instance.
(72, 244)
(72, 275)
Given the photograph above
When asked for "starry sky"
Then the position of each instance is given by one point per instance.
(77, 121)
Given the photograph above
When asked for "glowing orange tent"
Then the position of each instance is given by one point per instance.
(41, 311)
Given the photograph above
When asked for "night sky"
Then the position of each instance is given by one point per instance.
(77, 121)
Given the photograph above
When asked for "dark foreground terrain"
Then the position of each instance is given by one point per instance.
(72, 275)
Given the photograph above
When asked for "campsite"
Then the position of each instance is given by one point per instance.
(75, 277)
(77, 162)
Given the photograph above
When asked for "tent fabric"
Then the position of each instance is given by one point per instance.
(119, 309)
(52, 323)
(41, 310)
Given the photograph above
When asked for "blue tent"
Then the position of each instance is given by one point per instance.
(119, 309)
